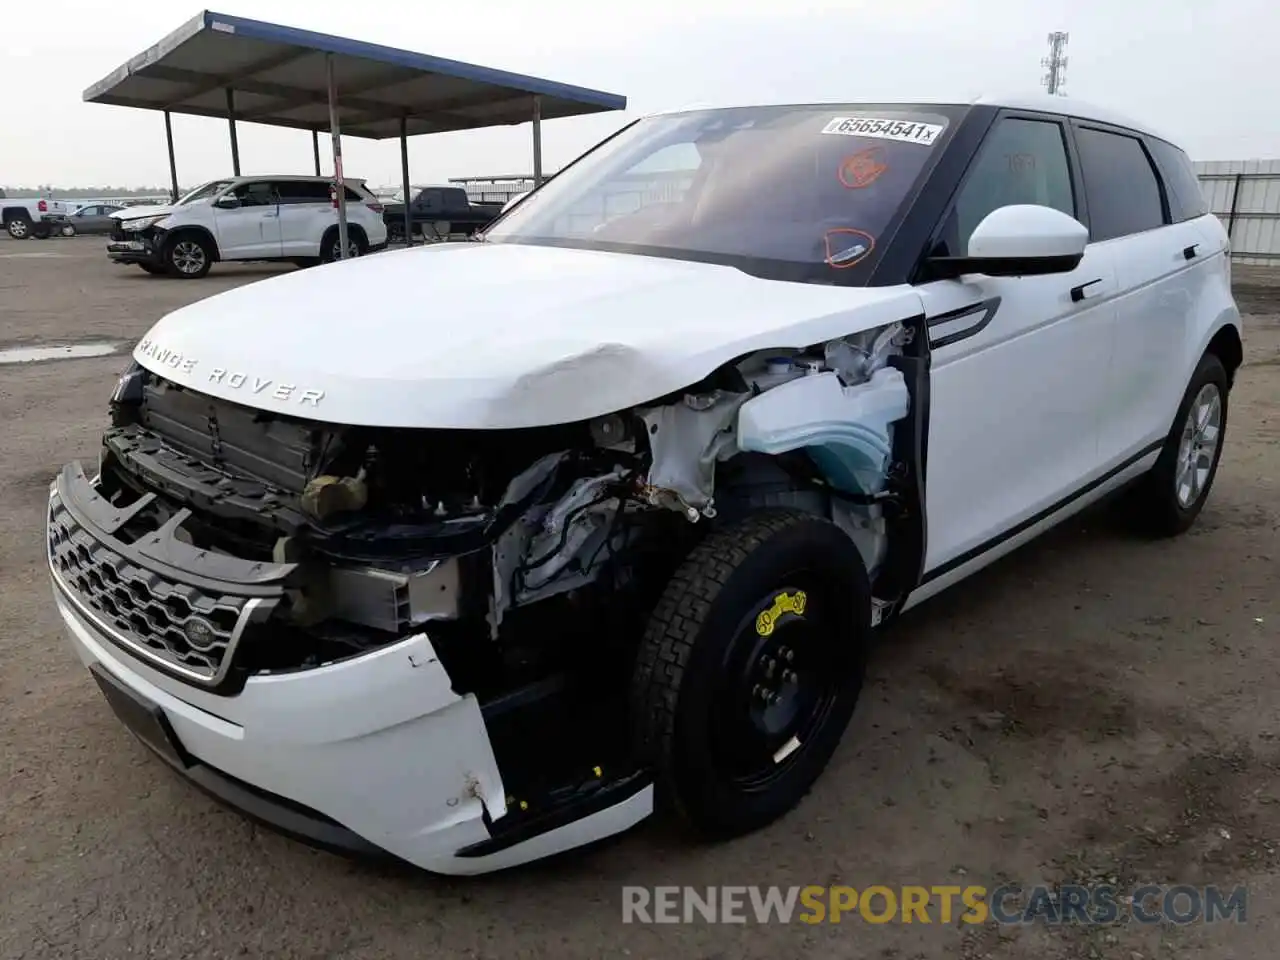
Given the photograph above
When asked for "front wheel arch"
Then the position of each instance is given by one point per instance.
(205, 236)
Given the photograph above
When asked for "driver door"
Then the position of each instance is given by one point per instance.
(1019, 363)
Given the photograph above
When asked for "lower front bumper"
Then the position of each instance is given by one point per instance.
(134, 251)
(375, 755)
(281, 815)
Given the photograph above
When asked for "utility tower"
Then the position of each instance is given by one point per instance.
(1055, 64)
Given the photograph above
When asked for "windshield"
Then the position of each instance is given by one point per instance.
(788, 192)
(204, 192)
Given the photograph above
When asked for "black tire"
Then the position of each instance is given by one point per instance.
(329, 244)
(41, 231)
(152, 269)
(1159, 504)
(19, 228)
(67, 230)
(187, 256)
(699, 716)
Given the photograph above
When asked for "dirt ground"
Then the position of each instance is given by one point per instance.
(1093, 708)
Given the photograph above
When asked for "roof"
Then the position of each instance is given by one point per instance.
(279, 77)
(1042, 103)
(287, 177)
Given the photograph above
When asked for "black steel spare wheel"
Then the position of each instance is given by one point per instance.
(750, 669)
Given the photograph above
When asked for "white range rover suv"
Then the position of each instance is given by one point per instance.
(271, 218)
(611, 525)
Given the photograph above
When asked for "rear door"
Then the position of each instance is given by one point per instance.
(305, 213)
(252, 229)
(1018, 362)
(1160, 258)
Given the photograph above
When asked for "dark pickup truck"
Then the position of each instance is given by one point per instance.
(439, 212)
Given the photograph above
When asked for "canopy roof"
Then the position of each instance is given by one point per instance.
(279, 77)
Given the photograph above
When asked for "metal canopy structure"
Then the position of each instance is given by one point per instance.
(230, 67)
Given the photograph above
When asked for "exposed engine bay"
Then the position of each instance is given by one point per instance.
(530, 555)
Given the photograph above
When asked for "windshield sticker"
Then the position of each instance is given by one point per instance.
(846, 247)
(863, 168)
(879, 128)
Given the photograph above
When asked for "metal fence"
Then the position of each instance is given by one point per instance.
(1245, 196)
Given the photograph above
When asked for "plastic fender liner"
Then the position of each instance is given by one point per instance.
(846, 429)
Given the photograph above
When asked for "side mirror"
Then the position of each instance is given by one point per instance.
(226, 203)
(1019, 240)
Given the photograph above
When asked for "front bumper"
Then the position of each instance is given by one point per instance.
(375, 754)
(134, 249)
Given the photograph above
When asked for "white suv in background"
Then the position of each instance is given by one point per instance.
(272, 218)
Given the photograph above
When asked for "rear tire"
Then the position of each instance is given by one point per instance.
(19, 228)
(331, 245)
(1168, 500)
(750, 669)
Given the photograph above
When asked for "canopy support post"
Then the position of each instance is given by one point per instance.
(335, 132)
(315, 149)
(173, 163)
(231, 123)
(537, 142)
(404, 177)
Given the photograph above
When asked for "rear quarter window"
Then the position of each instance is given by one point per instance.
(1186, 198)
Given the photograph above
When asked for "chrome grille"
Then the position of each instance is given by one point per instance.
(175, 623)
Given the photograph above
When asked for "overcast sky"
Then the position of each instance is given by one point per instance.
(1203, 72)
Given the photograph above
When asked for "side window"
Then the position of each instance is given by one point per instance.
(1186, 198)
(1022, 161)
(1124, 194)
(429, 201)
(259, 193)
(455, 201)
(302, 191)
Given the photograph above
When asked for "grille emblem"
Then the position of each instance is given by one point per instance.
(200, 634)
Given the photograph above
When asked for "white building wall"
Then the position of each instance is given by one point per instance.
(1252, 189)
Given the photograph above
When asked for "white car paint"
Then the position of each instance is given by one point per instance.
(559, 335)
(272, 231)
(1049, 394)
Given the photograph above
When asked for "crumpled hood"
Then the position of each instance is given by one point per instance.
(144, 210)
(492, 336)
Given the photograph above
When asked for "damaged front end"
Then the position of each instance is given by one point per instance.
(530, 557)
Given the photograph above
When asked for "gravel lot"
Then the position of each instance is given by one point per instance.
(1093, 707)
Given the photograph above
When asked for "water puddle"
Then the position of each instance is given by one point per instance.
(70, 351)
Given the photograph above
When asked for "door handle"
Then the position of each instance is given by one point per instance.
(1077, 293)
(1188, 253)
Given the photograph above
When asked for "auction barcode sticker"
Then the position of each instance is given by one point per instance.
(879, 128)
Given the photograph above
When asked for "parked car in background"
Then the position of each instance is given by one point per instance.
(92, 218)
(438, 212)
(36, 217)
(266, 218)
(611, 527)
